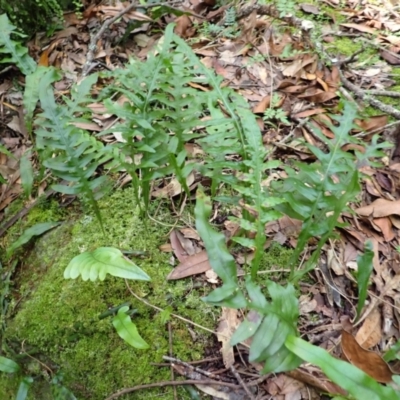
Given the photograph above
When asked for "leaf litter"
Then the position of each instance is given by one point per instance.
(274, 69)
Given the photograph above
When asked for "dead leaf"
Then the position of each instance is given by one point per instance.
(359, 27)
(173, 188)
(368, 361)
(310, 8)
(316, 379)
(176, 244)
(191, 265)
(183, 23)
(380, 208)
(226, 326)
(370, 333)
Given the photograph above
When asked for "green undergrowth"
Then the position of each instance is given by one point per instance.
(58, 322)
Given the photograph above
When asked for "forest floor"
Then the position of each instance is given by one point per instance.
(295, 64)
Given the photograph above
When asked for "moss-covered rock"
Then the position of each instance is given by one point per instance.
(56, 320)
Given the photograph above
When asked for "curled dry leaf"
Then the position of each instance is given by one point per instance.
(228, 323)
(368, 361)
(317, 380)
(370, 333)
(179, 251)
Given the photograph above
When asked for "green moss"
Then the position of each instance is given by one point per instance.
(57, 319)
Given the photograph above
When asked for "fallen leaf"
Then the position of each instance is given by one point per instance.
(173, 188)
(179, 251)
(183, 23)
(317, 380)
(360, 27)
(370, 333)
(226, 326)
(310, 8)
(368, 361)
(192, 265)
(380, 208)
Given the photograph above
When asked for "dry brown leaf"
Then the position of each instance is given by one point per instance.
(391, 55)
(176, 244)
(183, 23)
(368, 361)
(373, 123)
(309, 113)
(360, 27)
(192, 265)
(226, 326)
(316, 379)
(370, 333)
(380, 208)
(384, 225)
(309, 8)
(318, 96)
(173, 188)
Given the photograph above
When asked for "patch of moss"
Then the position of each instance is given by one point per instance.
(57, 319)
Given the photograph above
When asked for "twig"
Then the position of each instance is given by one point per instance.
(6, 69)
(170, 354)
(242, 384)
(188, 321)
(193, 368)
(386, 93)
(169, 383)
(367, 98)
(93, 46)
(189, 362)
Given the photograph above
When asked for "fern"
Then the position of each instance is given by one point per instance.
(285, 7)
(69, 152)
(230, 16)
(162, 114)
(17, 54)
(318, 193)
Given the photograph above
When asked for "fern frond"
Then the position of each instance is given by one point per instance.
(69, 152)
(17, 54)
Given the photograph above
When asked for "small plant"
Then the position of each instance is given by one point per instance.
(272, 113)
(318, 193)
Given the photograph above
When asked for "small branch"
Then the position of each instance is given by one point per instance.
(386, 93)
(93, 42)
(170, 354)
(92, 45)
(188, 321)
(169, 383)
(191, 367)
(367, 98)
(242, 384)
